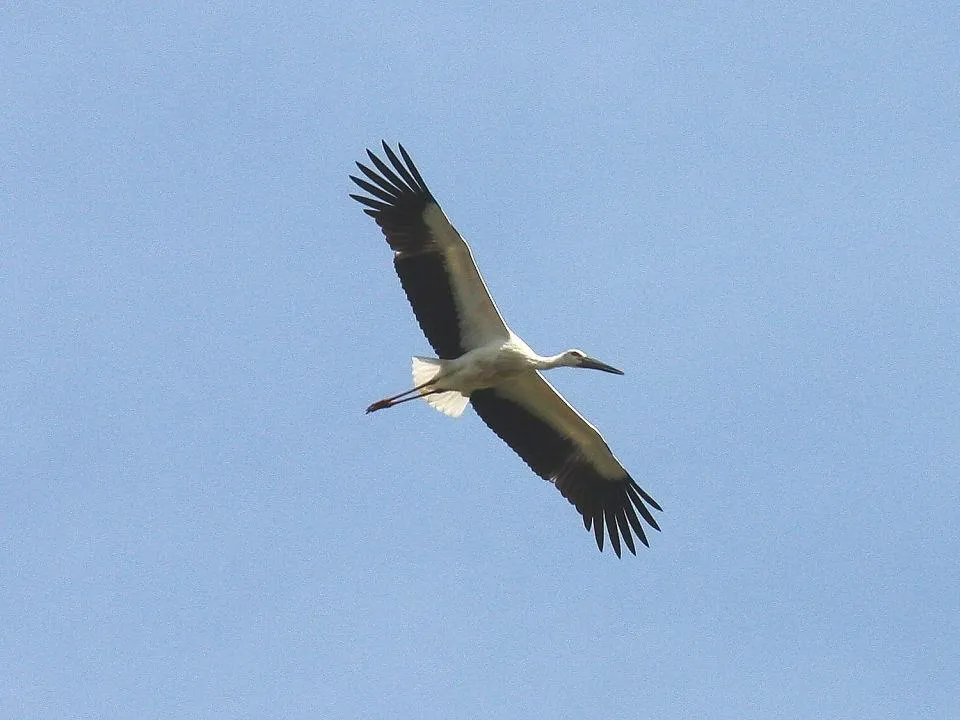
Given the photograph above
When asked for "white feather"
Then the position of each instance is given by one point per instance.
(450, 403)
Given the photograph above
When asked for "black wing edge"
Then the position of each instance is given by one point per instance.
(606, 505)
(398, 198)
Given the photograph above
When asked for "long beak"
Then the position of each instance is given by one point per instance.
(589, 362)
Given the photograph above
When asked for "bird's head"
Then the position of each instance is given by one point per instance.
(578, 358)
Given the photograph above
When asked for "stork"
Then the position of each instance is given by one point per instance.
(483, 362)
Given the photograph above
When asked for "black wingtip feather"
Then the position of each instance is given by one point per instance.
(374, 190)
(646, 497)
(635, 499)
(390, 175)
(394, 190)
(377, 206)
(412, 167)
(625, 530)
(610, 515)
(400, 167)
(635, 523)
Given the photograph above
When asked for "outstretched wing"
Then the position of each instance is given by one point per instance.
(435, 265)
(561, 446)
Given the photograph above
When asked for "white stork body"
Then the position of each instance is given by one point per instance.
(486, 366)
(483, 362)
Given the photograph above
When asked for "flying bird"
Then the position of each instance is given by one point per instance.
(483, 362)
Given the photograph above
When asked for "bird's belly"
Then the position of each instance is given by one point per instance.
(482, 371)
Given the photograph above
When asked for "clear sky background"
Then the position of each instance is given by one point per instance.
(751, 208)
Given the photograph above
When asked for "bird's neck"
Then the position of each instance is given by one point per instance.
(547, 362)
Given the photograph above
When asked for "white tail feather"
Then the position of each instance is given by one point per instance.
(424, 370)
(450, 403)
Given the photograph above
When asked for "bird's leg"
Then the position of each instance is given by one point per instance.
(396, 399)
(388, 402)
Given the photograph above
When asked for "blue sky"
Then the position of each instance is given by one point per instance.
(752, 209)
